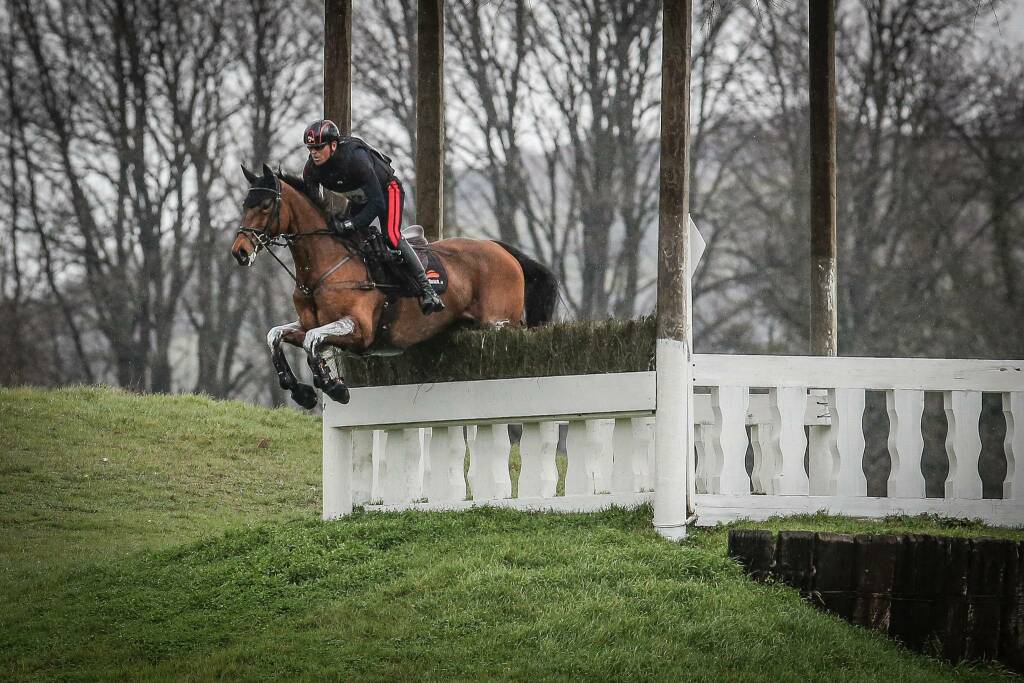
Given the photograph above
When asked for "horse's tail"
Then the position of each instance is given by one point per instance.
(541, 288)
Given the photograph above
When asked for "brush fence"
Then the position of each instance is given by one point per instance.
(407, 446)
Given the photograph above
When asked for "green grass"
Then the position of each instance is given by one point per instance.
(195, 554)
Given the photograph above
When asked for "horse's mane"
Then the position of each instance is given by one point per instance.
(314, 198)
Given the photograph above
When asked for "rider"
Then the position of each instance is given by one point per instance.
(353, 169)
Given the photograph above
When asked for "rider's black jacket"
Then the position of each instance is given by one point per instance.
(358, 174)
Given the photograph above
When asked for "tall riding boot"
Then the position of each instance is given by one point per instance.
(429, 301)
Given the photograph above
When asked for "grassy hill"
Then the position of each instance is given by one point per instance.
(170, 538)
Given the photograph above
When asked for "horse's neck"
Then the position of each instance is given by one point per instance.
(312, 254)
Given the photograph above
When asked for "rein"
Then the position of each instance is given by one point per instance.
(263, 239)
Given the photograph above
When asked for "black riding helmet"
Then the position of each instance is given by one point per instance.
(321, 132)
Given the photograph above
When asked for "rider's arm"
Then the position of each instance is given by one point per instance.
(361, 171)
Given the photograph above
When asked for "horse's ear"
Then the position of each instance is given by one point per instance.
(249, 175)
(267, 172)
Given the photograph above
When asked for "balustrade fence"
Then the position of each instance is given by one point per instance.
(802, 417)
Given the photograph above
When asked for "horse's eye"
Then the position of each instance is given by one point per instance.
(265, 205)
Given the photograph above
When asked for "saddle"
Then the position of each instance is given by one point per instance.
(386, 270)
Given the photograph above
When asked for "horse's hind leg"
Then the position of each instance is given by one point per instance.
(313, 343)
(303, 394)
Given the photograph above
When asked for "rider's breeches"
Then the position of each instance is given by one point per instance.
(393, 220)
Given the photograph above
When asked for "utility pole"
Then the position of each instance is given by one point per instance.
(338, 63)
(430, 116)
(672, 442)
(822, 89)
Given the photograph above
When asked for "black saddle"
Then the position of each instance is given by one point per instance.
(386, 266)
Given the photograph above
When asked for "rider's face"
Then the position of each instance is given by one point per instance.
(320, 154)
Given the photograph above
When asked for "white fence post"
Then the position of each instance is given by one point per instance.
(362, 466)
(490, 476)
(729, 438)
(578, 474)
(762, 475)
(906, 444)
(538, 476)
(601, 433)
(963, 443)
(1013, 444)
(643, 432)
(705, 467)
(629, 455)
(446, 481)
(337, 472)
(846, 442)
(788, 442)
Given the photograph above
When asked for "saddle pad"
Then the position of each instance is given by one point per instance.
(437, 275)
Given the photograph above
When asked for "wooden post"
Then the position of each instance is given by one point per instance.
(430, 116)
(672, 441)
(822, 88)
(338, 63)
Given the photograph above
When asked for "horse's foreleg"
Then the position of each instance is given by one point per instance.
(313, 343)
(303, 394)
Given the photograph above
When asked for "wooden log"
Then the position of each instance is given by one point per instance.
(794, 559)
(877, 558)
(957, 566)
(990, 558)
(1011, 631)
(834, 578)
(755, 551)
(918, 606)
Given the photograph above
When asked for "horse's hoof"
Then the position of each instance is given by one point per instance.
(305, 396)
(338, 391)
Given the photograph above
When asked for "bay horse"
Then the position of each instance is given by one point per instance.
(339, 304)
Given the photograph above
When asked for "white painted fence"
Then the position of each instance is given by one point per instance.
(406, 446)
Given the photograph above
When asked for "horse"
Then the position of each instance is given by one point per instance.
(340, 305)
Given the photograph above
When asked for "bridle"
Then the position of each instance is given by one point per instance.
(262, 238)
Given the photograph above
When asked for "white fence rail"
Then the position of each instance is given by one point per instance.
(408, 446)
